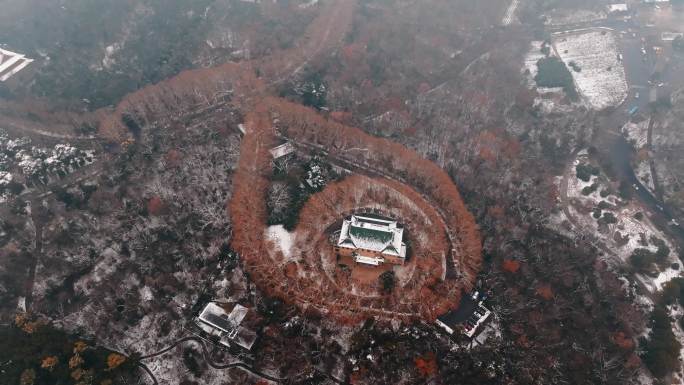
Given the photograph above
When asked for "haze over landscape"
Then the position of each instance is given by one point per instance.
(341, 192)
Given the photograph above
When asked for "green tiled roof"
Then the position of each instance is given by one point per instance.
(370, 234)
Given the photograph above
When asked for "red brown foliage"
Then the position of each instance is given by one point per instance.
(623, 341)
(545, 292)
(304, 125)
(155, 206)
(426, 365)
(511, 266)
(172, 158)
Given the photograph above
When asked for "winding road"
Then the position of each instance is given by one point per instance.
(219, 366)
(207, 358)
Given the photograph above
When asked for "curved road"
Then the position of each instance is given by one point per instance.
(207, 358)
(219, 366)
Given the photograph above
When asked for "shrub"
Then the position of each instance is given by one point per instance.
(387, 281)
(663, 251)
(609, 218)
(673, 291)
(114, 360)
(583, 172)
(642, 259)
(546, 50)
(590, 189)
(625, 190)
(575, 66)
(678, 43)
(662, 350)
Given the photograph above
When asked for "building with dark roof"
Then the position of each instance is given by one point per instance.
(372, 241)
(469, 317)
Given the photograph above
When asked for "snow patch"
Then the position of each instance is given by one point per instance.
(601, 79)
(664, 277)
(575, 16)
(638, 132)
(643, 173)
(281, 238)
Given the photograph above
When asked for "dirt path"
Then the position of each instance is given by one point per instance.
(324, 33)
(36, 255)
(21, 127)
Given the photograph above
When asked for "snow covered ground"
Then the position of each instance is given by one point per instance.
(308, 4)
(492, 330)
(601, 79)
(281, 238)
(634, 233)
(575, 16)
(643, 173)
(533, 56)
(637, 132)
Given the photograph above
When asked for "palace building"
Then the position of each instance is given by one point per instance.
(372, 241)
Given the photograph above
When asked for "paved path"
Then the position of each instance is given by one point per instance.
(220, 366)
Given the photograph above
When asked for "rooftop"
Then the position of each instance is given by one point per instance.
(228, 324)
(11, 63)
(470, 314)
(282, 150)
(375, 234)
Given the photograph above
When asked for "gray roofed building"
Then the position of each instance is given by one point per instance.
(227, 326)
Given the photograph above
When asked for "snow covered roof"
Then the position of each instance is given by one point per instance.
(229, 324)
(11, 63)
(374, 234)
(618, 8)
(282, 150)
